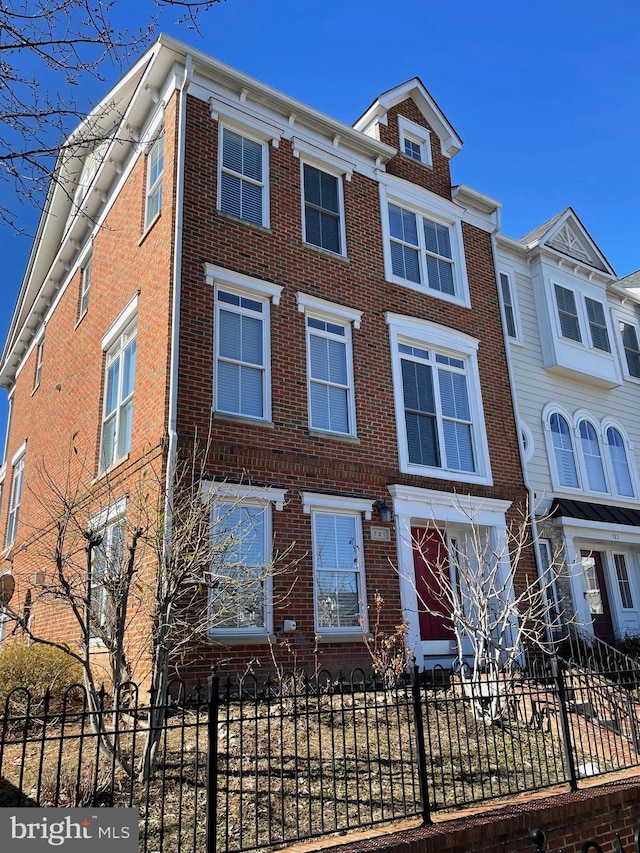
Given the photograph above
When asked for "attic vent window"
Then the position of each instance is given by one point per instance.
(567, 243)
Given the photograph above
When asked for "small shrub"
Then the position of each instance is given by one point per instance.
(37, 668)
(630, 645)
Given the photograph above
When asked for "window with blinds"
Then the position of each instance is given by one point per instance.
(242, 177)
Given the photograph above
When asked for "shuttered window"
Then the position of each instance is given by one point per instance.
(567, 314)
(597, 325)
(242, 177)
(631, 348)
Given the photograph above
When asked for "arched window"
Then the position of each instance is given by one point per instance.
(590, 447)
(619, 462)
(563, 451)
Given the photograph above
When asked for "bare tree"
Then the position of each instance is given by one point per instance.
(478, 584)
(141, 584)
(48, 49)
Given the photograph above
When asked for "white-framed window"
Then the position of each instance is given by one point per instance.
(423, 245)
(338, 563)
(509, 310)
(621, 478)
(242, 345)
(243, 170)
(39, 359)
(415, 141)
(330, 380)
(15, 496)
(155, 169)
(576, 456)
(528, 444)
(439, 413)
(562, 452)
(582, 319)
(120, 370)
(323, 209)
(107, 572)
(85, 286)
(624, 582)
(591, 456)
(629, 338)
(241, 588)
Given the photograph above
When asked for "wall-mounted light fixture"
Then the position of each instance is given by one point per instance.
(385, 511)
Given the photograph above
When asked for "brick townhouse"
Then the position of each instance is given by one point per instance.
(317, 298)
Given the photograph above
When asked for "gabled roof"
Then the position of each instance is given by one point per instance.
(566, 235)
(631, 281)
(450, 142)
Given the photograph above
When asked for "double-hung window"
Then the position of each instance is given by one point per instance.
(15, 498)
(631, 348)
(85, 286)
(241, 575)
(338, 562)
(39, 359)
(438, 407)
(242, 177)
(624, 581)
(155, 168)
(323, 223)
(242, 369)
(578, 313)
(423, 245)
(120, 368)
(329, 364)
(106, 578)
(508, 306)
(414, 141)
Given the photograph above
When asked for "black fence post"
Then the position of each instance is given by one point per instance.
(556, 669)
(421, 748)
(212, 762)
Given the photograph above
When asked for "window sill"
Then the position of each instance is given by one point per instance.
(338, 256)
(112, 468)
(442, 474)
(242, 419)
(264, 229)
(341, 636)
(425, 290)
(333, 436)
(149, 228)
(237, 639)
(413, 160)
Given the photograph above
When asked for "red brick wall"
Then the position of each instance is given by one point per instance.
(568, 820)
(286, 454)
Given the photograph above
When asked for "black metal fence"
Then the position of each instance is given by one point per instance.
(264, 763)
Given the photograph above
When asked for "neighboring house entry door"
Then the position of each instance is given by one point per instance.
(596, 595)
(431, 565)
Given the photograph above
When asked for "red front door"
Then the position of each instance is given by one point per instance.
(431, 565)
(596, 595)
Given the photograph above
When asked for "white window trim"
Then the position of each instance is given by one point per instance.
(629, 564)
(218, 494)
(13, 508)
(150, 188)
(631, 459)
(517, 339)
(125, 318)
(430, 335)
(530, 449)
(338, 173)
(317, 500)
(5, 444)
(243, 122)
(100, 523)
(439, 210)
(245, 283)
(619, 318)
(212, 490)
(579, 416)
(247, 130)
(321, 309)
(39, 360)
(416, 133)
(549, 410)
(312, 503)
(85, 284)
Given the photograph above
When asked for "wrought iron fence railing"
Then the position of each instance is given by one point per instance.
(246, 765)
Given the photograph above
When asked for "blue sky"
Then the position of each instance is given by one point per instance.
(545, 95)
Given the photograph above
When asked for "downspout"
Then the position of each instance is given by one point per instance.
(175, 335)
(514, 399)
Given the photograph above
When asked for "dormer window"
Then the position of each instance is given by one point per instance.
(414, 141)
